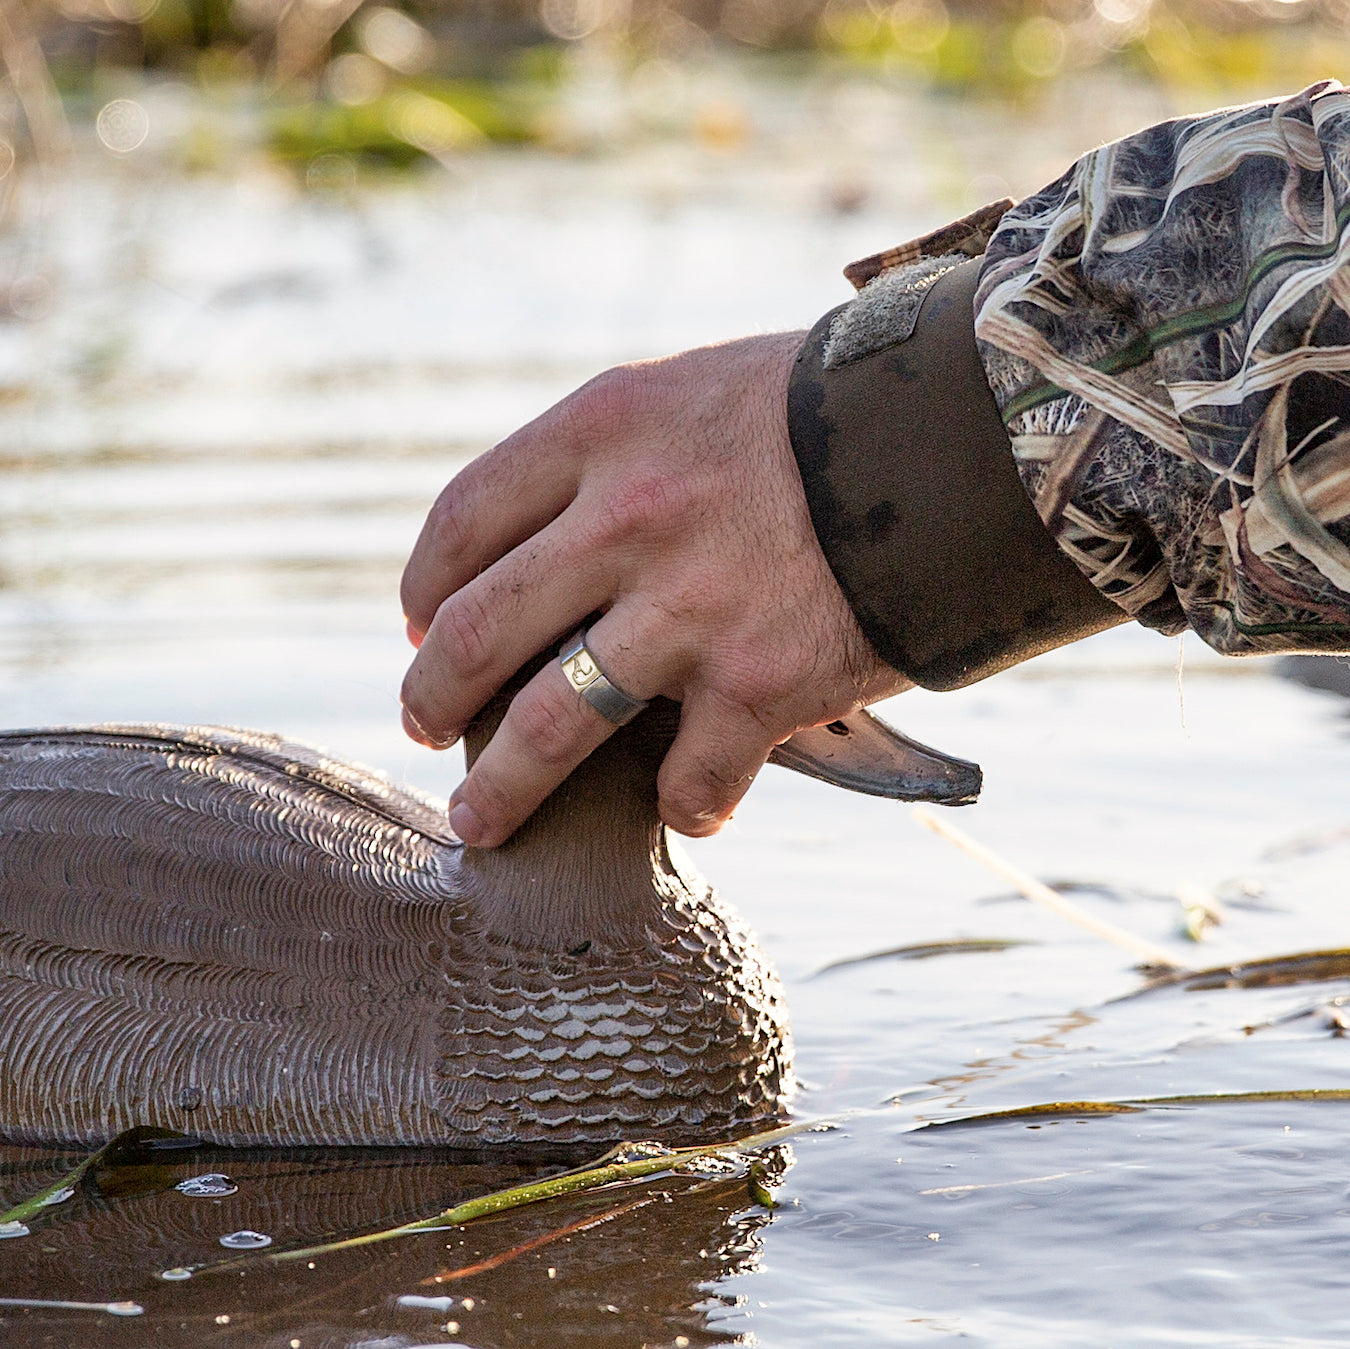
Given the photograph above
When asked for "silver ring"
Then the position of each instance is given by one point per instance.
(585, 675)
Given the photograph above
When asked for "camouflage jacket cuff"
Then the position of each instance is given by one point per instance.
(913, 491)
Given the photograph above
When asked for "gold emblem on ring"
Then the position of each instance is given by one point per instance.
(581, 670)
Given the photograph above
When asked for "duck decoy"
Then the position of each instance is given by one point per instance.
(238, 936)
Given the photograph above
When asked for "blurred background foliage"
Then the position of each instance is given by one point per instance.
(341, 87)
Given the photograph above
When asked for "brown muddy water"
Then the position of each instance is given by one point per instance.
(216, 444)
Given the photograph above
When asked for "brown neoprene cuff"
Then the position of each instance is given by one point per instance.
(918, 506)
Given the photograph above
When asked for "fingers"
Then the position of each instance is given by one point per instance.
(715, 757)
(666, 497)
(546, 732)
(501, 499)
(549, 729)
(490, 627)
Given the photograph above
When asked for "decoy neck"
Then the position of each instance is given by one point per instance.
(593, 864)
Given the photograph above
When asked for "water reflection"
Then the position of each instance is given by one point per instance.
(641, 1276)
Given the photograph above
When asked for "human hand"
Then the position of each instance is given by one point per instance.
(665, 496)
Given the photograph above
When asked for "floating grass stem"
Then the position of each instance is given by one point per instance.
(1078, 1109)
(55, 1304)
(1302, 967)
(505, 1257)
(926, 950)
(755, 1183)
(615, 1167)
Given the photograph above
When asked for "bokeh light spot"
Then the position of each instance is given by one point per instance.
(1038, 46)
(131, 11)
(354, 79)
(30, 297)
(919, 27)
(572, 20)
(430, 125)
(122, 125)
(331, 173)
(1122, 11)
(392, 37)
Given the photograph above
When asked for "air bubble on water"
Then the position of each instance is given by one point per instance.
(58, 1197)
(246, 1240)
(14, 1229)
(124, 1309)
(431, 1304)
(213, 1185)
(175, 1274)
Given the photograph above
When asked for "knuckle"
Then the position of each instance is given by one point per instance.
(681, 810)
(612, 398)
(698, 802)
(444, 537)
(725, 784)
(410, 597)
(463, 629)
(410, 695)
(420, 709)
(488, 796)
(548, 733)
(747, 690)
(447, 521)
(646, 505)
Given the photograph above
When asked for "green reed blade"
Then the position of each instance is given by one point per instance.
(1079, 1108)
(1238, 1097)
(127, 1141)
(578, 1181)
(953, 946)
(1041, 1111)
(758, 1190)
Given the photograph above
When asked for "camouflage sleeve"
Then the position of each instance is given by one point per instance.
(1166, 331)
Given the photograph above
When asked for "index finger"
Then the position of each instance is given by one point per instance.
(501, 499)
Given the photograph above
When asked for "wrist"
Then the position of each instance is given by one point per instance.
(916, 500)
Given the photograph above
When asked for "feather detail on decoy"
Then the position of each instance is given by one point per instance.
(237, 936)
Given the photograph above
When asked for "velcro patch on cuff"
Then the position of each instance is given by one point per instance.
(885, 310)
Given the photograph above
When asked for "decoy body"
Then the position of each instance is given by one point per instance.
(230, 934)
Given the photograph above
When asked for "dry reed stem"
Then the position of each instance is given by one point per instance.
(1040, 893)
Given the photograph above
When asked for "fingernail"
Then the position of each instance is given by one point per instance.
(465, 822)
(423, 737)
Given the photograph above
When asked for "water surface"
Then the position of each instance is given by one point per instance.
(215, 450)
